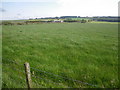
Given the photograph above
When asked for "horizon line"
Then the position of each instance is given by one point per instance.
(56, 16)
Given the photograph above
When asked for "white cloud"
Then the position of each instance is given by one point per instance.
(88, 7)
(60, 8)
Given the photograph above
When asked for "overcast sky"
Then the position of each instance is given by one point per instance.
(21, 9)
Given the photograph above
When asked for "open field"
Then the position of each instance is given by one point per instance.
(86, 52)
(105, 22)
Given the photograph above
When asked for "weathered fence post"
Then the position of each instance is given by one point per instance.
(28, 76)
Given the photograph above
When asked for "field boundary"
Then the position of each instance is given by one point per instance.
(30, 73)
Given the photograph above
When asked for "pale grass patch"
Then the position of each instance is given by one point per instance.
(106, 22)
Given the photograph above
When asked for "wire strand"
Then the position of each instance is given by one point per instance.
(48, 80)
(65, 77)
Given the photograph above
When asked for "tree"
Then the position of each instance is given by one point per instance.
(83, 21)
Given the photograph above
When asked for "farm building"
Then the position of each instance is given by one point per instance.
(58, 21)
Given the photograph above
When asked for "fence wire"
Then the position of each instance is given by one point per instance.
(78, 81)
(19, 69)
(13, 61)
(64, 77)
(49, 81)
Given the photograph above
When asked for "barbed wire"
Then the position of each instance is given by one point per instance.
(85, 83)
(19, 70)
(13, 61)
(16, 70)
(49, 81)
(65, 77)
(37, 84)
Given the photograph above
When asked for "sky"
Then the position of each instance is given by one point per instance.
(25, 9)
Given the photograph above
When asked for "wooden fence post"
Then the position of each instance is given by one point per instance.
(28, 76)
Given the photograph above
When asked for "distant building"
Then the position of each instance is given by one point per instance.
(58, 21)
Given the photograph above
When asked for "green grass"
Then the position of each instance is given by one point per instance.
(86, 52)
(0, 57)
(102, 22)
(81, 18)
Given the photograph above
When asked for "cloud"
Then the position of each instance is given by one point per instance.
(88, 7)
(18, 14)
(2, 10)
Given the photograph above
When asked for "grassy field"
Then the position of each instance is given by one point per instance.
(85, 52)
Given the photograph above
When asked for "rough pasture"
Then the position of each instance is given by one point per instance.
(86, 52)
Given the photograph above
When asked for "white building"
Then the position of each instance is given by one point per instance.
(58, 21)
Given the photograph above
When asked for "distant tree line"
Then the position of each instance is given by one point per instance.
(107, 19)
(69, 20)
(62, 17)
(96, 18)
(81, 21)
